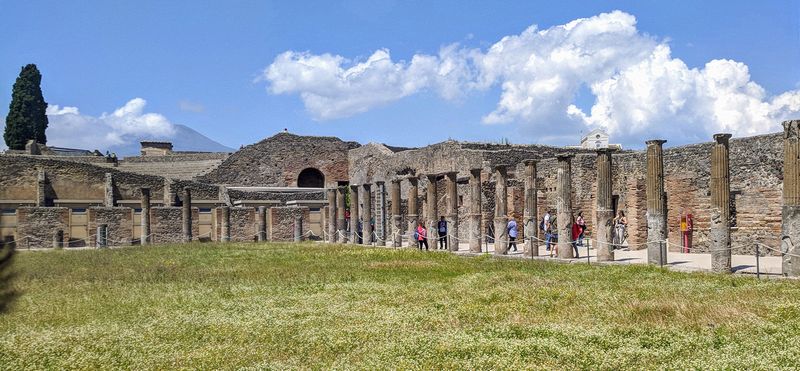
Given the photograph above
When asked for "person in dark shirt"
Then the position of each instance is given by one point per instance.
(441, 228)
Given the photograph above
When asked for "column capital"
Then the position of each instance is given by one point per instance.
(431, 177)
(354, 187)
(655, 142)
(380, 183)
(722, 138)
(476, 171)
(396, 180)
(367, 185)
(414, 180)
(530, 162)
(451, 174)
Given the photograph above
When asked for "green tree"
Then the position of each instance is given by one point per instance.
(26, 114)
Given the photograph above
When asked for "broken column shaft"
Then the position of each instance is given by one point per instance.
(367, 213)
(500, 209)
(262, 223)
(530, 215)
(413, 207)
(564, 206)
(331, 215)
(397, 218)
(475, 210)
(186, 215)
(656, 204)
(790, 223)
(355, 214)
(452, 210)
(604, 209)
(720, 205)
(226, 223)
(341, 227)
(431, 210)
(145, 217)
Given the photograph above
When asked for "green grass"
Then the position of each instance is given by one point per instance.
(281, 306)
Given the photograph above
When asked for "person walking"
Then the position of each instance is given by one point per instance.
(422, 236)
(511, 228)
(546, 229)
(581, 223)
(620, 229)
(576, 232)
(441, 228)
(553, 226)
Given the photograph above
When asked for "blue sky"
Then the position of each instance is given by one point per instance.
(203, 64)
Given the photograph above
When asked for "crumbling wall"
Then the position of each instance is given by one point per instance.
(119, 221)
(166, 224)
(243, 224)
(37, 225)
(282, 219)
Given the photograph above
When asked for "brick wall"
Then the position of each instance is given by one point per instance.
(166, 224)
(282, 222)
(119, 221)
(37, 225)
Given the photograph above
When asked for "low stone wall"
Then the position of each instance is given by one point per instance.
(166, 224)
(37, 225)
(243, 224)
(282, 222)
(119, 221)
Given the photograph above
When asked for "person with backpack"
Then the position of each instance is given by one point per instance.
(421, 235)
(441, 228)
(511, 228)
(553, 230)
(576, 232)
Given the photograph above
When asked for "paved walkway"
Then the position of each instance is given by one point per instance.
(745, 264)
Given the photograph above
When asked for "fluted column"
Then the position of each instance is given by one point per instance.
(656, 204)
(331, 215)
(500, 209)
(186, 214)
(604, 209)
(452, 210)
(413, 206)
(367, 212)
(145, 217)
(790, 224)
(355, 213)
(382, 236)
(341, 227)
(564, 206)
(397, 218)
(530, 215)
(720, 205)
(431, 211)
(475, 191)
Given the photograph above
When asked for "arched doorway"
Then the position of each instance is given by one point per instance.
(311, 178)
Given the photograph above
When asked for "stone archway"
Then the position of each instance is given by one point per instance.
(311, 178)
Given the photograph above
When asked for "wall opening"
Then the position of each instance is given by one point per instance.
(311, 178)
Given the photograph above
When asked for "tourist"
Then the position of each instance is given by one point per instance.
(545, 226)
(441, 228)
(360, 231)
(582, 224)
(553, 228)
(421, 236)
(511, 228)
(620, 229)
(576, 233)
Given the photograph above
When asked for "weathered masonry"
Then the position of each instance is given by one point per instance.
(739, 192)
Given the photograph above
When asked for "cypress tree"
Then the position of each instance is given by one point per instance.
(26, 114)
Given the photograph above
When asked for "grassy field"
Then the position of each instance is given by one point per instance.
(283, 306)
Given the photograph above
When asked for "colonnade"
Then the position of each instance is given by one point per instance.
(656, 201)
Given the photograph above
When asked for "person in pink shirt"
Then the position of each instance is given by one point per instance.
(422, 238)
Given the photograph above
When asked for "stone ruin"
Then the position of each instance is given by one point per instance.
(741, 193)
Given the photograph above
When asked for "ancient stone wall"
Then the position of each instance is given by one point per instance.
(282, 219)
(243, 224)
(166, 224)
(37, 225)
(119, 222)
(278, 160)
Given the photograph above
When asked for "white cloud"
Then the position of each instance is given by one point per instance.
(640, 89)
(70, 128)
(189, 106)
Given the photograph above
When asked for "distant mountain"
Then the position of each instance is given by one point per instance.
(185, 139)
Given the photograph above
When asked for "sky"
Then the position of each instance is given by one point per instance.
(407, 73)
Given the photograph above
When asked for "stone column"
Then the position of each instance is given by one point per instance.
(380, 214)
(604, 210)
(790, 224)
(431, 211)
(367, 211)
(354, 213)
(720, 205)
(226, 223)
(397, 218)
(341, 226)
(331, 215)
(564, 206)
(261, 219)
(656, 204)
(530, 215)
(108, 200)
(413, 208)
(500, 209)
(475, 210)
(169, 195)
(41, 195)
(146, 238)
(186, 214)
(298, 226)
(452, 210)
